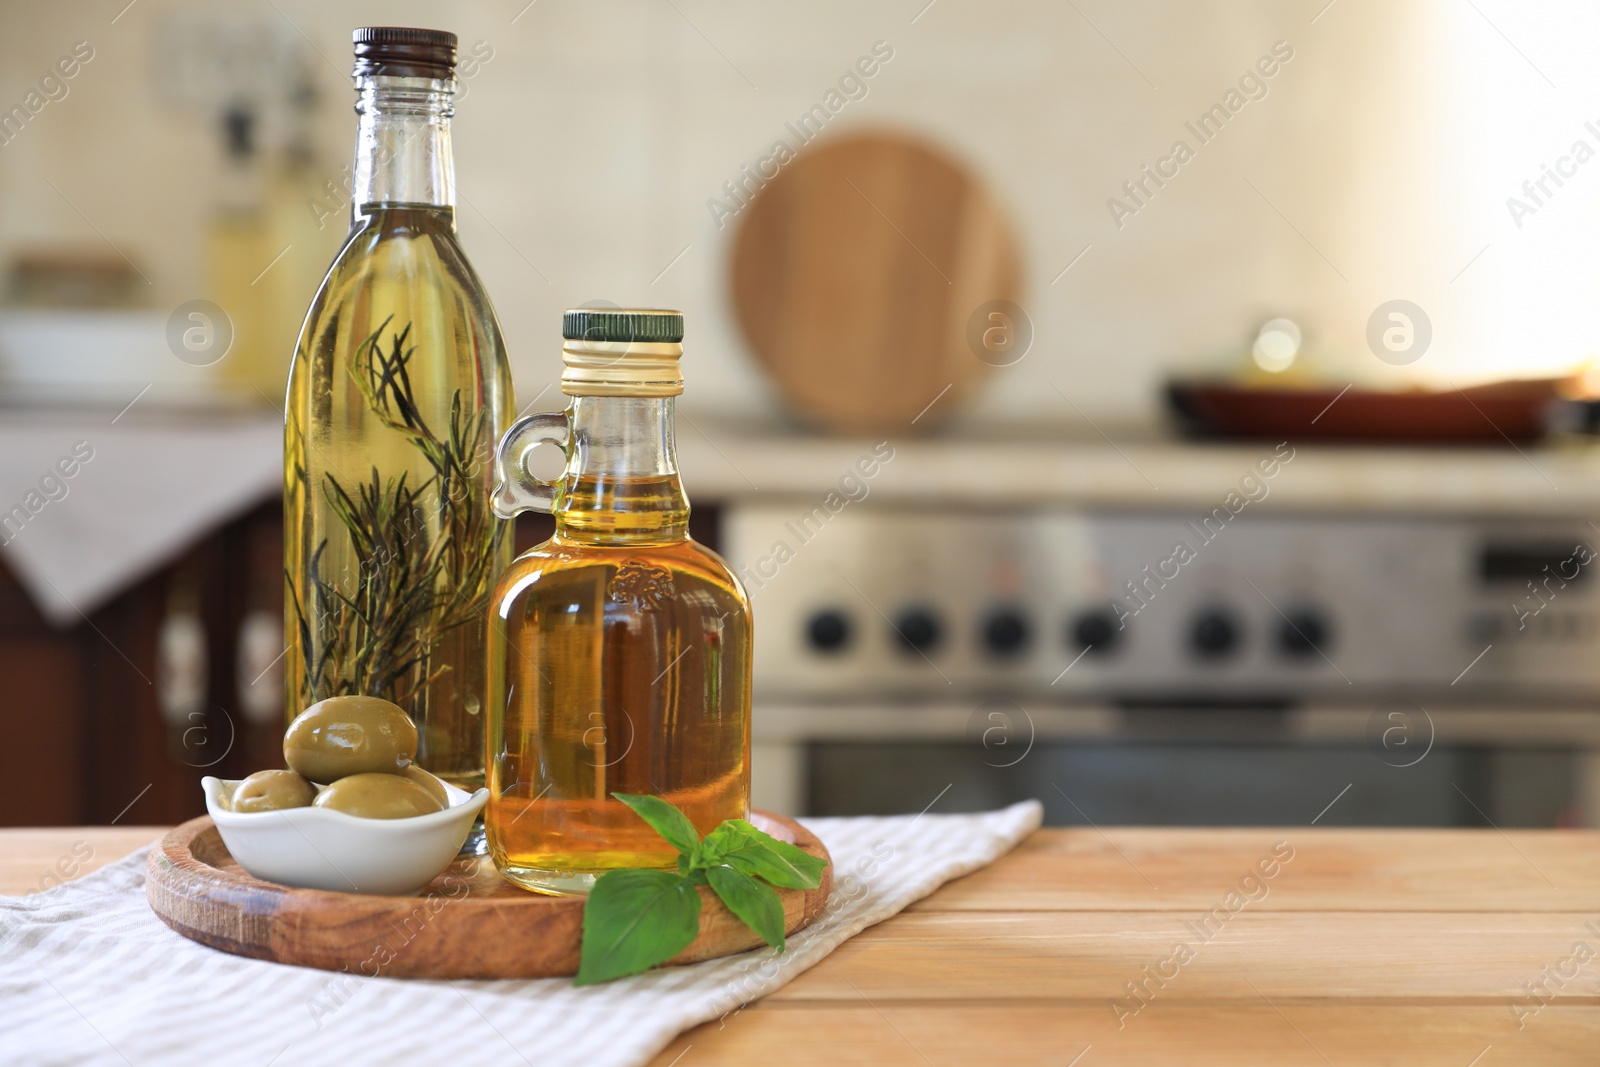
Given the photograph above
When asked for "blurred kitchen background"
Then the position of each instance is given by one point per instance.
(972, 348)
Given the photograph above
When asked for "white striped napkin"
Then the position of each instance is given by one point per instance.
(89, 975)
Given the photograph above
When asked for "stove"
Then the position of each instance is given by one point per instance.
(898, 634)
(1170, 609)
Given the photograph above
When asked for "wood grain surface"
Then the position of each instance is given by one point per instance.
(1399, 870)
(33, 860)
(856, 271)
(467, 923)
(1414, 947)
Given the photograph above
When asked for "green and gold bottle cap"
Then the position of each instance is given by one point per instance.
(621, 352)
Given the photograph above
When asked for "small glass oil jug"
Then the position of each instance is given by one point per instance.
(619, 653)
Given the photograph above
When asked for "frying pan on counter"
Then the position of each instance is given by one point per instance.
(1511, 411)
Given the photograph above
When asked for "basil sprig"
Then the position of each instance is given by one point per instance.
(635, 919)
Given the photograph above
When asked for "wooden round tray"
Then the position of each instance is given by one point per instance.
(467, 923)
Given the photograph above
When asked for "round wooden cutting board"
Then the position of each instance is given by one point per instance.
(858, 271)
(468, 923)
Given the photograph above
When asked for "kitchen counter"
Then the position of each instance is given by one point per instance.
(1138, 469)
(1300, 946)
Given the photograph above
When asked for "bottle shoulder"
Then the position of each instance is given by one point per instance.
(403, 245)
(399, 268)
(686, 553)
(686, 565)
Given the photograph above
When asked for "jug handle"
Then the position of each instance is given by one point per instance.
(515, 489)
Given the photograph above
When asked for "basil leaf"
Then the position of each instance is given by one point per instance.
(633, 920)
(756, 905)
(664, 819)
(760, 855)
(708, 853)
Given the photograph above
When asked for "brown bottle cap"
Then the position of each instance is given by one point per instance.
(404, 52)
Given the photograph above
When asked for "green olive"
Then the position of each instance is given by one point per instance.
(272, 791)
(378, 796)
(349, 735)
(427, 781)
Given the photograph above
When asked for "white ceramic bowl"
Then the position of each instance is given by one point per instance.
(318, 848)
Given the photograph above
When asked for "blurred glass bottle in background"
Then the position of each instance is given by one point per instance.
(240, 245)
(265, 250)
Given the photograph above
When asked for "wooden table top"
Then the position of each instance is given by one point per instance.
(1462, 948)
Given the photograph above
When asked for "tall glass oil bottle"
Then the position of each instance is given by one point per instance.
(398, 392)
(620, 657)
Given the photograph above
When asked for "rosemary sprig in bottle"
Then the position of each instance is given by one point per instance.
(410, 590)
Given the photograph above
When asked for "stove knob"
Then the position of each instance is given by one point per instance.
(1304, 633)
(1006, 632)
(1215, 634)
(1096, 631)
(828, 631)
(918, 629)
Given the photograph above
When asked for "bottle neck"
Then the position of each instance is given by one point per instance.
(621, 484)
(403, 151)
